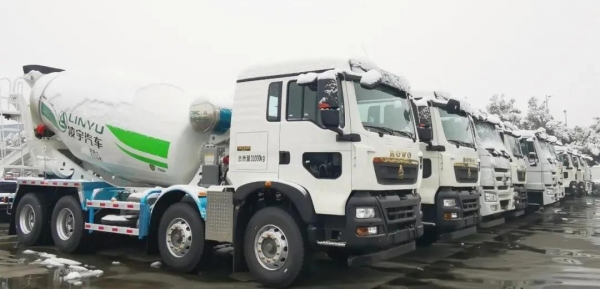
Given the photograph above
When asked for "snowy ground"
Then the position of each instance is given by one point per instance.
(555, 249)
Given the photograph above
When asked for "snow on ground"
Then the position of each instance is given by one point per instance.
(77, 270)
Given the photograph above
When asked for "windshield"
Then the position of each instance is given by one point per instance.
(385, 109)
(514, 145)
(488, 136)
(457, 128)
(575, 161)
(545, 151)
(552, 151)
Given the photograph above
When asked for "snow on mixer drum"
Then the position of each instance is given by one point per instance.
(139, 133)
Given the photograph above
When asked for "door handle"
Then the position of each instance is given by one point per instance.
(284, 157)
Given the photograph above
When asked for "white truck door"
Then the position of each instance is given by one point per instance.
(310, 155)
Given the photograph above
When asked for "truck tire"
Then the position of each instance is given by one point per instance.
(68, 226)
(30, 219)
(275, 247)
(181, 237)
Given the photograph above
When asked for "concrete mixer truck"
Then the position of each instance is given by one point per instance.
(319, 155)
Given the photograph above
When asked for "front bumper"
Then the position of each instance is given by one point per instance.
(520, 198)
(397, 219)
(464, 215)
(505, 202)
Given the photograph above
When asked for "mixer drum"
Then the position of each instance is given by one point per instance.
(139, 133)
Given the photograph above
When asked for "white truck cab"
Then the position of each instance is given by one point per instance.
(497, 196)
(518, 167)
(541, 170)
(569, 174)
(449, 195)
(313, 155)
(587, 173)
(552, 141)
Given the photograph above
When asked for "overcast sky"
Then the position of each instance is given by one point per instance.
(471, 49)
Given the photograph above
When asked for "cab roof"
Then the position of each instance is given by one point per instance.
(295, 67)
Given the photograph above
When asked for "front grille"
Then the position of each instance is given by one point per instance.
(391, 174)
(470, 207)
(500, 170)
(521, 175)
(502, 188)
(470, 204)
(401, 213)
(466, 174)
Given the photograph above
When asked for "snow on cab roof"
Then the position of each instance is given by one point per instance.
(441, 97)
(304, 66)
(293, 67)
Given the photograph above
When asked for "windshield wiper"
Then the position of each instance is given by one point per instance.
(462, 143)
(389, 130)
(404, 133)
(380, 128)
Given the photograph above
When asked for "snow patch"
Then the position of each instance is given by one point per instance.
(29, 252)
(72, 275)
(117, 218)
(116, 263)
(371, 78)
(306, 78)
(156, 264)
(329, 74)
(494, 119)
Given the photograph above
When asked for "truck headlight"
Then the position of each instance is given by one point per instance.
(490, 197)
(365, 213)
(449, 202)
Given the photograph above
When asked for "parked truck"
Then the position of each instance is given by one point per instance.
(518, 168)
(569, 163)
(319, 155)
(587, 173)
(449, 195)
(552, 141)
(496, 193)
(541, 171)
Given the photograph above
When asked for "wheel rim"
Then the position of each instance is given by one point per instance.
(27, 219)
(65, 224)
(179, 237)
(271, 247)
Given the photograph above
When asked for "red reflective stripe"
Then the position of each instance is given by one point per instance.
(65, 184)
(115, 229)
(55, 183)
(90, 204)
(76, 184)
(129, 231)
(115, 205)
(88, 226)
(102, 205)
(100, 227)
(129, 206)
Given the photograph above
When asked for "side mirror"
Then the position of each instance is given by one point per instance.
(328, 90)
(533, 159)
(330, 118)
(425, 134)
(453, 106)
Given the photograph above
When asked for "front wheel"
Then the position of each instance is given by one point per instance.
(274, 247)
(181, 237)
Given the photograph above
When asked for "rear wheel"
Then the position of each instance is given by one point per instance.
(68, 226)
(181, 238)
(274, 247)
(30, 219)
